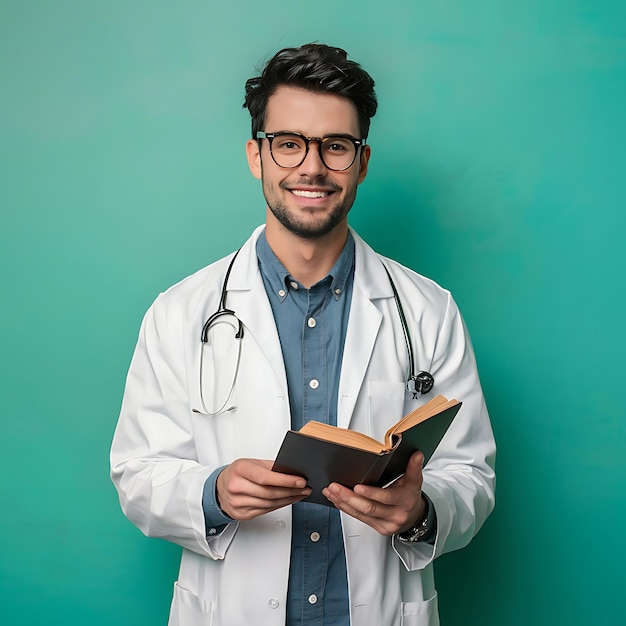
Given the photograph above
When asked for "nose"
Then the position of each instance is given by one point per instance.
(313, 166)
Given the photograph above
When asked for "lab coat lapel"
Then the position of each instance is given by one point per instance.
(247, 297)
(370, 285)
(365, 320)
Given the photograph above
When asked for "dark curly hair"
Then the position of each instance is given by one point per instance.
(316, 67)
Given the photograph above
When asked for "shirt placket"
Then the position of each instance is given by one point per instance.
(315, 520)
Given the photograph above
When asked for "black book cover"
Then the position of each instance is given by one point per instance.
(322, 462)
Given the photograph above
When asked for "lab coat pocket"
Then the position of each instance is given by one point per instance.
(420, 613)
(386, 404)
(189, 609)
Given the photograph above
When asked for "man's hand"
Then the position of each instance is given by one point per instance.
(388, 511)
(248, 488)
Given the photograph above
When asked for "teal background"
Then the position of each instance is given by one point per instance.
(497, 169)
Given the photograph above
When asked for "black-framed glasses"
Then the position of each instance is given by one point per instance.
(289, 149)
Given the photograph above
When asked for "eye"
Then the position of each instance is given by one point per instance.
(338, 146)
(288, 143)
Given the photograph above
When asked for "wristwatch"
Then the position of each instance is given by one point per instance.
(416, 533)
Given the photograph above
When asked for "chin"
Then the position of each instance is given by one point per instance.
(309, 223)
(314, 229)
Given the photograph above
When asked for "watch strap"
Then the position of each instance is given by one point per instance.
(415, 533)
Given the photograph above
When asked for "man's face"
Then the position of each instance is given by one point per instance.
(310, 200)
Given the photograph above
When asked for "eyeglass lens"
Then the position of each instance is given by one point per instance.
(337, 153)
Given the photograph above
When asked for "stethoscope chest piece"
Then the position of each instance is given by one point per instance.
(420, 383)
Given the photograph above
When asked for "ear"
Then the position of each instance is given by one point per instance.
(254, 157)
(363, 165)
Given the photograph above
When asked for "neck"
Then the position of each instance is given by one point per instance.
(307, 260)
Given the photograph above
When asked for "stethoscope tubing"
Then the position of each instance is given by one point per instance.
(417, 383)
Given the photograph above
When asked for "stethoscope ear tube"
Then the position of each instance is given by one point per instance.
(211, 321)
(422, 382)
(222, 310)
(214, 319)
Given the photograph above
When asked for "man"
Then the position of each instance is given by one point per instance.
(301, 324)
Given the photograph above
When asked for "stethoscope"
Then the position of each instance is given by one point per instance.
(417, 383)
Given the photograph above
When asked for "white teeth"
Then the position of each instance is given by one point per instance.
(309, 194)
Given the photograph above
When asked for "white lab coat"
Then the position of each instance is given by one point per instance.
(163, 452)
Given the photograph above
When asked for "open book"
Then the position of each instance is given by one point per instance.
(324, 454)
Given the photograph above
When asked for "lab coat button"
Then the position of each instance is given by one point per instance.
(311, 322)
(312, 599)
(273, 603)
(314, 384)
(315, 537)
(280, 524)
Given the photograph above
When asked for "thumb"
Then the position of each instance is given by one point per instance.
(414, 468)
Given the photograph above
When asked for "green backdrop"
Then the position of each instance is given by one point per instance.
(497, 169)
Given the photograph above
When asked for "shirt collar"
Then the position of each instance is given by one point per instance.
(281, 282)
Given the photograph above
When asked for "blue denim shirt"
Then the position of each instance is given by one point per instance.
(312, 325)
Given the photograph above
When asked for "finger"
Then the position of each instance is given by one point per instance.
(246, 500)
(241, 486)
(395, 493)
(413, 474)
(247, 488)
(367, 514)
(353, 504)
(386, 497)
(384, 519)
(247, 507)
(261, 473)
(416, 463)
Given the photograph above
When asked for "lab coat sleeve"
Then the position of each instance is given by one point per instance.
(153, 457)
(460, 477)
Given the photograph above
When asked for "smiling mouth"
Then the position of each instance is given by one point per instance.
(310, 194)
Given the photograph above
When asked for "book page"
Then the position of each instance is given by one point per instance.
(354, 439)
(437, 405)
(343, 436)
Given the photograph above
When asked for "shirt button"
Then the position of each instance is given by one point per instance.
(273, 603)
(311, 322)
(312, 599)
(337, 292)
(315, 536)
(314, 384)
(294, 284)
(282, 293)
(280, 524)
